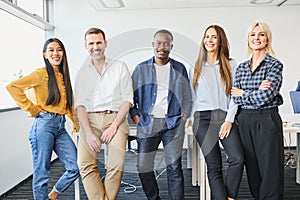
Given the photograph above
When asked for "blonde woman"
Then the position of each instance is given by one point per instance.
(256, 90)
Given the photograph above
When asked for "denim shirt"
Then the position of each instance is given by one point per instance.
(145, 89)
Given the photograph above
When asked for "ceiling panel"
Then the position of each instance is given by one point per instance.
(171, 4)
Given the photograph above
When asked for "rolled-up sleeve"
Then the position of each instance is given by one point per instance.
(126, 85)
(80, 93)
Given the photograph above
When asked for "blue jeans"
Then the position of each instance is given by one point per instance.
(148, 145)
(48, 133)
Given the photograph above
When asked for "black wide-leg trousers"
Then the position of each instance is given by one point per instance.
(262, 138)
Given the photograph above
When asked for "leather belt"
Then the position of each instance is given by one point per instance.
(103, 112)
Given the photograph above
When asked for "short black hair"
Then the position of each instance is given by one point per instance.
(165, 32)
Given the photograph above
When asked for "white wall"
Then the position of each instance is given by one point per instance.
(130, 34)
(126, 30)
(15, 162)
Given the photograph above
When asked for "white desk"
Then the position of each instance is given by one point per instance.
(75, 137)
(196, 161)
(297, 131)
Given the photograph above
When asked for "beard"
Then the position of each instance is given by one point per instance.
(97, 54)
(162, 55)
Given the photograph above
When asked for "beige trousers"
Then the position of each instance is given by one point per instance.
(87, 159)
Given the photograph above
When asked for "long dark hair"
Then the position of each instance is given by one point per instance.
(223, 57)
(53, 91)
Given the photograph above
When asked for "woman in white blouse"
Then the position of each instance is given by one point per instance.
(214, 113)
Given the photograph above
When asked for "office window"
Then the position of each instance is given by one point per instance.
(21, 52)
(32, 6)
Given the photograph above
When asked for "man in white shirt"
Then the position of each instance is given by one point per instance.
(103, 96)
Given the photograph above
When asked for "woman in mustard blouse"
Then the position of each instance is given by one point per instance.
(53, 99)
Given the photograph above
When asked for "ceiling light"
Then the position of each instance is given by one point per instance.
(112, 3)
(261, 1)
(281, 2)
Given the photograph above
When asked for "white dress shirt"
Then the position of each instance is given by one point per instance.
(103, 92)
(209, 93)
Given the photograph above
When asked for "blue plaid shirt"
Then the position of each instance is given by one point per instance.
(253, 98)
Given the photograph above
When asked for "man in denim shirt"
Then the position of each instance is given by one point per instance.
(162, 103)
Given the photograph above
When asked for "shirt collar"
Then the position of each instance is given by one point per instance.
(215, 64)
(152, 60)
(266, 58)
(107, 62)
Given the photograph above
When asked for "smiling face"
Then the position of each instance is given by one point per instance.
(257, 39)
(95, 44)
(54, 54)
(162, 46)
(211, 40)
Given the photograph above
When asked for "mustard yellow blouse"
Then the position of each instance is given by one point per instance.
(38, 81)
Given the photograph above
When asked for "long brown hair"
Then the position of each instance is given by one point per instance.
(53, 91)
(223, 57)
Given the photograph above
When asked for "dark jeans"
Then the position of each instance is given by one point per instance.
(206, 128)
(262, 138)
(148, 145)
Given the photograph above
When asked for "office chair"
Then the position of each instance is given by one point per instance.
(295, 98)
